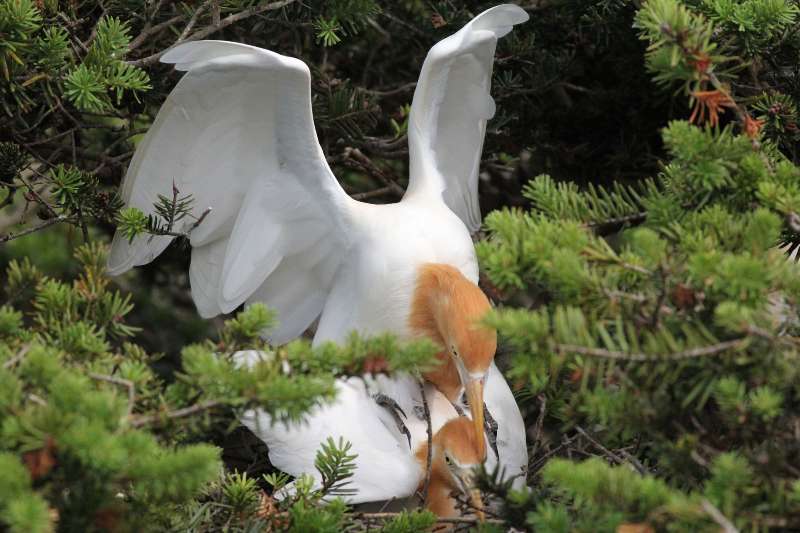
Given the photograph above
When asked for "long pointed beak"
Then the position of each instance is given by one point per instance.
(467, 481)
(477, 503)
(475, 398)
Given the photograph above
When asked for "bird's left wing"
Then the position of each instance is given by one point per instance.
(237, 133)
(449, 112)
(385, 468)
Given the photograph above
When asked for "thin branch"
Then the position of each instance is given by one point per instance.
(462, 520)
(152, 30)
(224, 23)
(119, 381)
(17, 358)
(390, 92)
(726, 525)
(635, 356)
(359, 161)
(192, 21)
(35, 398)
(36, 194)
(140, 421)
(43, 225)
(638, 466)
(611, 225)
(539, 426)
(374, 193)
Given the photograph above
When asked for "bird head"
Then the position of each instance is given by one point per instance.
(447, 307)
(456, 454)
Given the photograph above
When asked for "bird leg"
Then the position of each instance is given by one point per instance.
(395, 410)
(491, 429)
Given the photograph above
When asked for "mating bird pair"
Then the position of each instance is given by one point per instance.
(237, 133)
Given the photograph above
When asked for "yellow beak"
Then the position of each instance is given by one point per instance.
(475, 398)
(467, 480)
(477, 503)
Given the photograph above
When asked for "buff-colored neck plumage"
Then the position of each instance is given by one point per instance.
(455, 452)
(446, 308)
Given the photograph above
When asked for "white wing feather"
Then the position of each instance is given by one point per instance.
(237, 134)
(449, 112)
(385, 467)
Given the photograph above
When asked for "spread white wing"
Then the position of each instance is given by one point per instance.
(237, 133)
(449, 112)
(385, 467)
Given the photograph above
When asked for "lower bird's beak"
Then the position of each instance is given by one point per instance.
(474, 389)
(467, 481)
(477, 503)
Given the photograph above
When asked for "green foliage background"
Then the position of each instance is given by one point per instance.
(638, 177)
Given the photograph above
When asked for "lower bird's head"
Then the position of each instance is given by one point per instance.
(456, 454)
(448, 308)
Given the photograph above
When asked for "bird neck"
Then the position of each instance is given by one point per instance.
(436, 313)
(438, 499)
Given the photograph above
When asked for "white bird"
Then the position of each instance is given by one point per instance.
(390, 464)
(237, 133)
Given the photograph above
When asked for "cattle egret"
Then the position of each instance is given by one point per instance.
(237, 133)
(389, 464)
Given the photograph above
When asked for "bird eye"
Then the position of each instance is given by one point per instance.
(447, 459)
(453, 349)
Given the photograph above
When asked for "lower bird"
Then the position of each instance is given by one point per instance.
(392, 457)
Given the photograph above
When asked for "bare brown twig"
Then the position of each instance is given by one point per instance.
(17, 358)
(224, 23)
(119, 381)
(28, 231)
(714, 349)
(726, 525)
(462, 520)
(354, 158)
(427, 413)
(140, 421)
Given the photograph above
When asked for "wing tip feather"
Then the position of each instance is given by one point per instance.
(500, 19)
(187, 56)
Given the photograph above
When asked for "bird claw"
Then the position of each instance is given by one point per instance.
(395, 410)
(490, 425)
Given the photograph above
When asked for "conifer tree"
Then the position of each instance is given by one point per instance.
(641, 194)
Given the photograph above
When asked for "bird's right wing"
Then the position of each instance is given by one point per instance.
(237, 133)
(385, 468)
(450, 108)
